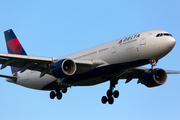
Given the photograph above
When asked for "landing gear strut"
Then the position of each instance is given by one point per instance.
(110, 93)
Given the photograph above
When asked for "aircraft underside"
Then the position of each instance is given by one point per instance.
(96, 76)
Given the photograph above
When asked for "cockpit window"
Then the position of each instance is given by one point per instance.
(163, 34)
(157, 35)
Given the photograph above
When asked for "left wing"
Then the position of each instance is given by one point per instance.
(43, 64)
(25, 62)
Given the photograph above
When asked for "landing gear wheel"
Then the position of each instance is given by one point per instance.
(52, 94)
(104, 100)
(116, 94)
(109, 93)
(110, 100)
(64, 89)
(59, 95)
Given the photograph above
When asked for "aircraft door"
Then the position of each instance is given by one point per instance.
(143, 38)
(113, 49)
(27, 76)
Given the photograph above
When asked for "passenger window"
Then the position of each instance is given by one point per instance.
(134, 36)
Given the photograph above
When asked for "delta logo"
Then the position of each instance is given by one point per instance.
(120, 41)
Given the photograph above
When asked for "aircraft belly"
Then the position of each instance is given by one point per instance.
(101, 74)
(89, 82)
(97, 75)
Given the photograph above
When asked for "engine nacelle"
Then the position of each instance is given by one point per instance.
(63, 68)
(152, 80)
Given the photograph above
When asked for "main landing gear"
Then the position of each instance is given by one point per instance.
(58, 92)
(110, 93)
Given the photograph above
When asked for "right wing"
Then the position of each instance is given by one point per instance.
(138, 72)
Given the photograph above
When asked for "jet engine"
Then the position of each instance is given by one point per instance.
(63, 68)
(154, 78)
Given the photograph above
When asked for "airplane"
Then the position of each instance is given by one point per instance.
(119, 59)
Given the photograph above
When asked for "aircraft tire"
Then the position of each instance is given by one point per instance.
(64, 89)
(52, 94)
(109, 93)
(116, 94)
(59, 95)
(110, 100)
(104, 100)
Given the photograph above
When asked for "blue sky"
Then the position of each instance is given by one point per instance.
(56, 28)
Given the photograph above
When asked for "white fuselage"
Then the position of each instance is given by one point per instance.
(128, 52)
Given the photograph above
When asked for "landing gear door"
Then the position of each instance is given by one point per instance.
(143, 38)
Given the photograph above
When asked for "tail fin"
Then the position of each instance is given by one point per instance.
(13, 46)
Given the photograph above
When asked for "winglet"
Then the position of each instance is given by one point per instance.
(13, 46)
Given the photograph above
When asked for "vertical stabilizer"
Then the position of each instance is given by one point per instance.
(13, 46)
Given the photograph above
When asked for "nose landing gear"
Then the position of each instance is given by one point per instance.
(153, 63)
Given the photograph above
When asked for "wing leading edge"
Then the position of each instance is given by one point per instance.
(42, 64)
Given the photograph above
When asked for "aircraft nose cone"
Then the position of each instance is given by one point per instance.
(171, 42)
